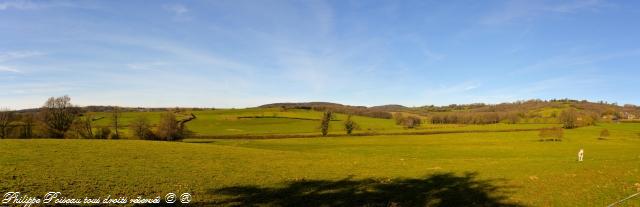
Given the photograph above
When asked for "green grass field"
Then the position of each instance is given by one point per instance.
(274, 121)
(505, 168)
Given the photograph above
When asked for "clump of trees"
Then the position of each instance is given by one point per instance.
(6, 117)
(168, 129)
(350, 125)
(476, 117)
(551, 134)
(58, 118)
(325, 122)
(409, 122)
(572, 118)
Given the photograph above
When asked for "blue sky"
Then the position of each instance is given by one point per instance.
(240, 53)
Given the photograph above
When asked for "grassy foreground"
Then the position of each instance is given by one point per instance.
(437, 170)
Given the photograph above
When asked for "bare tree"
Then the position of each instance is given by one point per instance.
(83, 126)
(6, 117)
(57, 116)
(168, 128)
(115, 120)
(27, 125)
(141, 128)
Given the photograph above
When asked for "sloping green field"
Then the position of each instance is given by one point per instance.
(502, 168)
(274, 121)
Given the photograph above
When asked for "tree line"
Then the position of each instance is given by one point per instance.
(58, 118)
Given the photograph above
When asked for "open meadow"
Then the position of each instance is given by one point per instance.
(263, 122)
(461, 169)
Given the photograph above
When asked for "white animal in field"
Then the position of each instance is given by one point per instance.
(580, 155)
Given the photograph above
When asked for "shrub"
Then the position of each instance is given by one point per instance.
(398, 117)
(410, 122)
(141, 128)
(83, 127)
(103, 133)
(604, 134)
(114, 136)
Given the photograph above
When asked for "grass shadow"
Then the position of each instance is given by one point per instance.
(443, 189)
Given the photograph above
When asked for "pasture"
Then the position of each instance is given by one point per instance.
(273, 121)
(493, 168)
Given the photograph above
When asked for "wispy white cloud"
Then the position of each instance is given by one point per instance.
(9, 69)
(13, 55)
(146, 65)
(37, 5)
(528, 10)
(179, 11)
(432, 56)
(572, 61)
(574, 6)
(18, 4)
(458, 88)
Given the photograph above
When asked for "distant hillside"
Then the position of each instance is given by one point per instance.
(339, 108)
(390, 107)
(530, 111)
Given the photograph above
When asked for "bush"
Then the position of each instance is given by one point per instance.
(141, 128)
(410, 122)
(551, 134)
(114, 136)
(350, 125)
(604, 134)
(83, 127)
(103, 133)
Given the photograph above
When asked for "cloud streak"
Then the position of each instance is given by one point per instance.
(9, 69)
(517, 10)
(13, 55)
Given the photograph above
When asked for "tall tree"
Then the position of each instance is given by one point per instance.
(324, 123)
(115, 120)
(350, 125)
(57, 116)
(6, 117)
(27, 125)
